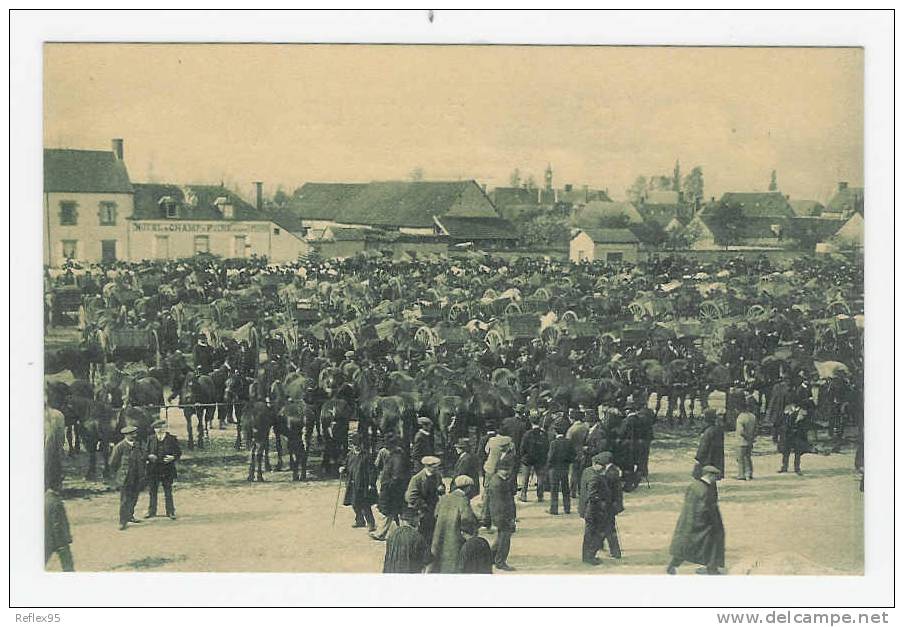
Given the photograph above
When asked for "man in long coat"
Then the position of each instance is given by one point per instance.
(453, 517)
(361, 485)
(600, 502)
(699, 536)
(54, 441)
(501, 503)
(128, 463)
(406, 550)
(57, 536)
(392, 469)
(163, 453)
(791, 436)
(711, 450)
(466, 464)
(558, 462)
(534, 449)
(577, 433)
(423, 444)
(422, 495)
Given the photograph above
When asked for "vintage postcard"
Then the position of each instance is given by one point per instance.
(454, 309)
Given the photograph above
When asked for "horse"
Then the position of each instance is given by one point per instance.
(235, 397)
(335, 416)
(143, 390)
(98, 428)
(258, 419)
(291, 422)
(198, 396)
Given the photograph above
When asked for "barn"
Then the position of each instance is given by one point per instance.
(609, 245)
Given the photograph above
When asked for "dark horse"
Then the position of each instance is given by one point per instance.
(257, 420)
(198, 397)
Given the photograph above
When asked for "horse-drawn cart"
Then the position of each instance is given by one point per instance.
(65, 303)
(132, 345)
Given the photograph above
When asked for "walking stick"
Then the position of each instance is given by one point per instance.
(336, 508)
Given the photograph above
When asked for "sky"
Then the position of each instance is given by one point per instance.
(601, 116)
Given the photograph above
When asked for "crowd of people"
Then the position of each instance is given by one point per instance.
(568, 412)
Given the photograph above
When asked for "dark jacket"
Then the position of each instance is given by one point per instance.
(56, 524)
(711, 450)
(128, 465)
(454, 516)
(561, 454)
(534, 447)
(422, 446)
(169, 445)
(423, 493)
(501, 503)
(406, 551)
(699, 535)
(467, 465)
(393, 473)
(515, 427)
(475, 557)
(361, 482)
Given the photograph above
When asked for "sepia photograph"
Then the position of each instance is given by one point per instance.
(509, 310)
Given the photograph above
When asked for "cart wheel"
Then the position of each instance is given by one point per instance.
(710, 311)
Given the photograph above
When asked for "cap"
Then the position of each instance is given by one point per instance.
(463, 481)
(430, 460)
(349, 353)
(423, 420)
(602, 458)
(129, 429)
(712, 470)
(463, 442)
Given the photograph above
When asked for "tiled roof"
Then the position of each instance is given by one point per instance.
(478, 228)
(847, 199)
(411, 204)
(756, 204)
(322, 201)
(84, 171)
(611, 236)
(193, 202)
(506, 196)
(589, 215)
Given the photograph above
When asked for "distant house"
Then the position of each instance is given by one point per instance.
(764, 220)
(805, 208)
(810, 231)
(178, 221)
(846, 201)
(483, 232)
(88, 198)
(609, 245)
(596, 213)
(662, 207)
(316, 204)
(850, 235)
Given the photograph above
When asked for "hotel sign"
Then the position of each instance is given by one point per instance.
(201, 227)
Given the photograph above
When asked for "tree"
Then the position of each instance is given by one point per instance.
(773, 182)
(530, 183)
(676, 177)
(620, 221)
(280, 198)
(636, 192)
(693, 184)
(726, 223)
(417, 174)
(650, 233)
(660, 183)
(515, 178)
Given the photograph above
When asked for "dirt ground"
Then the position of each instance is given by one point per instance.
(775, 525)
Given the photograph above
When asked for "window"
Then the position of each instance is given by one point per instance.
(70, 248)
(276, 230)
(107, 214)
(202, 244)
(108, 250)
(171, 209)
(68, 213)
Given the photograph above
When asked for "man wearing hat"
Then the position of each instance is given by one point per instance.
(600, 502)
(558, 462)
(577, 433)
(423, 444)
(454, 517)
(466, 464)
(360, 484)
(534, 449)
(202, 354)
(745, 428)
(711, 450)
(501, 505)
(422, 495)
(406, 550)
(515, 426)
(163, 453)
(699, 535)
(392, 469)
(128, 464)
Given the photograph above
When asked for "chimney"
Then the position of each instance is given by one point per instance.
(117, 148)
(842, 185)
(259, 201)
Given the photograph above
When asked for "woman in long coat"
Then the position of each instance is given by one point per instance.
(699, 536)
(453, 517)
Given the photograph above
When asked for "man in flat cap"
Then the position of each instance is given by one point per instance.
(501, 505)
(600, 503)
(454, 517)
(424, 444)
(360, 484)
(422, 495)
(699, 536)
(163, 453)
(466, 464)
(128, 465)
